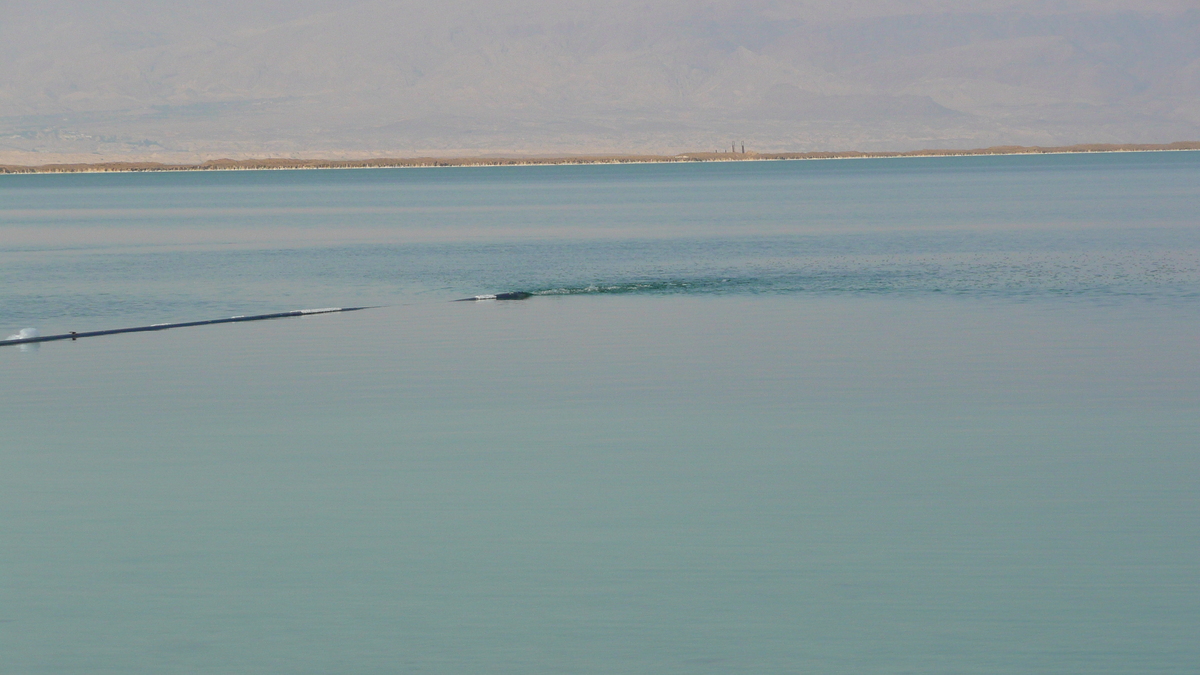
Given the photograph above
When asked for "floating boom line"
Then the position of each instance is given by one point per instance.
(515, 295)
(185, 324)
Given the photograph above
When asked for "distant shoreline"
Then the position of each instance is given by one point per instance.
(416, 162)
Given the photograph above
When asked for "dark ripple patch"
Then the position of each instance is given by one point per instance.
(1165, 277)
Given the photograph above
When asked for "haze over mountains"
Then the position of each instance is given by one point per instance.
(175, 81)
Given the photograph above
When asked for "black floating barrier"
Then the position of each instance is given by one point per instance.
(186, 324)
(516, 295)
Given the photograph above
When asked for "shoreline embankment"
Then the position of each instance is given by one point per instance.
(423, 162)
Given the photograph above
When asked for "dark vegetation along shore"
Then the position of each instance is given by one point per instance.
(284, 163)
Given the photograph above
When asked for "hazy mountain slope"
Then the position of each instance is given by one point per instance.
(121, 78)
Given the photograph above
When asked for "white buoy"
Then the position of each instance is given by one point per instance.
(24, 334)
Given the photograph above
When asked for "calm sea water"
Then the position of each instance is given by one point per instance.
(871, 416)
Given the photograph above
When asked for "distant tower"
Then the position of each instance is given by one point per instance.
(743, 148)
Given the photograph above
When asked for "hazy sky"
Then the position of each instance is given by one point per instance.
(170, 80)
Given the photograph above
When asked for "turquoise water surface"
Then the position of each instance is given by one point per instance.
(861, 416)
